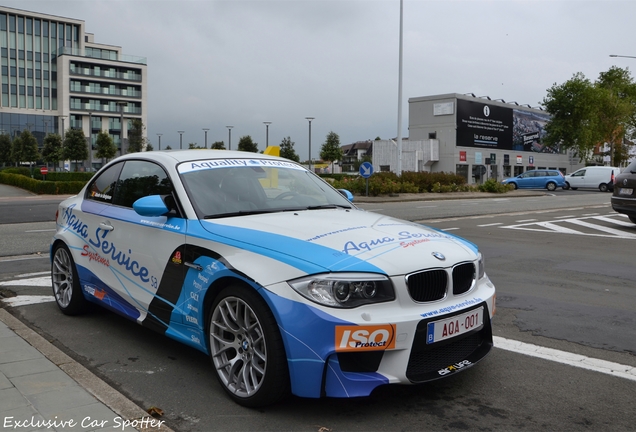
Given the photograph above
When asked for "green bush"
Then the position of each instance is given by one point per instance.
(41, 187)
(493, 186)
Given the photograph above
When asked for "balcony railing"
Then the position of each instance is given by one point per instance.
(82, 53)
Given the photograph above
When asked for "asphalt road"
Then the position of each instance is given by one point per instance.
(565, 281)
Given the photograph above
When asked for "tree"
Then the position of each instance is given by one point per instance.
(52, 150)
(5, 149)
(168, 148)
(287, 149)
(218, 145)
(25, 148)
(586, 115)
(149, 147)
(75, 147)
(246, 144)
(194, 146)
(136, 138)
(106, 148)
(330, 150)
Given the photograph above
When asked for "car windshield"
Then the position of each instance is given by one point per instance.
(222, 188)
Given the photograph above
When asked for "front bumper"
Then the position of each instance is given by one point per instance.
(317, 368)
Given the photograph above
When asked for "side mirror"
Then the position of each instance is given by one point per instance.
(348, 195)
(151, 206)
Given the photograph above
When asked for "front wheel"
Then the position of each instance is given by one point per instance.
(247, 349)
(566, 186)
(551, 186)
(66, 283)
(515, 186)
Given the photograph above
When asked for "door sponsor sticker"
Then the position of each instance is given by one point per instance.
(365, 338)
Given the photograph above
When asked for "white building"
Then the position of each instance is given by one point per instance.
(475, 137)
(56, 77)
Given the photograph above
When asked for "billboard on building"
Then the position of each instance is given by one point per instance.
(500, 128)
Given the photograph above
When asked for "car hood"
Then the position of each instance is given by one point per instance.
(343, 240)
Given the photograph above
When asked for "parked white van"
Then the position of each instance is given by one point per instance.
(592, 177)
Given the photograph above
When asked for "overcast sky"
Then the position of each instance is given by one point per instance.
(240, 63)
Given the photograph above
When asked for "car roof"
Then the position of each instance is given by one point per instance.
(175, 157)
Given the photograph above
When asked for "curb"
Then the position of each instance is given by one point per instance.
(97, 387)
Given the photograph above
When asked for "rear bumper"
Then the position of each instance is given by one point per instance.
(624, 205)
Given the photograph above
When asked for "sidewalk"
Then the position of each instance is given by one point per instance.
(43, 389)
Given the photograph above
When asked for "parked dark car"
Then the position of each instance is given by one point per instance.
(624, 196)
(548, 179)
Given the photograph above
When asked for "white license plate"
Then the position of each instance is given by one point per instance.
(454, 326)
(625, 191)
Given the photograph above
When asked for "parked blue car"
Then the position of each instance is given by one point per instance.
(549, 179)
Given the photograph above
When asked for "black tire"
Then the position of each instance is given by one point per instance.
(65, 282)
(551, 186)
(566, 186)
(603, 187)
(243, 334)
(632, 218)
(515, 185)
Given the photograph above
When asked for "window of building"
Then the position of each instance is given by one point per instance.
(3, 21)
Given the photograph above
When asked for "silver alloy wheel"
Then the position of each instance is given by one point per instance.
(238, 347)
(62, 277)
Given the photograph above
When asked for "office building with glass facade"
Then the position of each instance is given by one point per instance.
(55, 77)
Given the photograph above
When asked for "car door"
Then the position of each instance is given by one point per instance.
(133, 250)
(577, 178)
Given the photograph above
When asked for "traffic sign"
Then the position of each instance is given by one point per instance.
(366, 169)
(44, 170)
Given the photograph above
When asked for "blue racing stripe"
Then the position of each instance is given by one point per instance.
(306, 256)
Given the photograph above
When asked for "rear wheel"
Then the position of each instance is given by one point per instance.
(247, 349)
(551, 186)
(602, 187)
(65, 282)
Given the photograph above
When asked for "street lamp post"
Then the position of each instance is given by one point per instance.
(310, 119)
(267, 133)
(62, 118)
(206, 136)
(159, 135)
(90, 141)
(180, 139)
(121, 104)
(229, 142)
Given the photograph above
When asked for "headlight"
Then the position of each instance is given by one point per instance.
(345, 290)
(480, 264)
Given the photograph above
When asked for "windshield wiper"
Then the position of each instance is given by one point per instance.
(328, 206)
(238, 213)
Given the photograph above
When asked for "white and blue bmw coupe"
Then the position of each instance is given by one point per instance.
(276, 275)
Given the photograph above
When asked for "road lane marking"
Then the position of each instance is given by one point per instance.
(44, 281)
(24, 300)
(492, 224)
(526, 220)
(570, 359)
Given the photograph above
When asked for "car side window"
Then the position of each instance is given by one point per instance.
(580, 173)
(102, 187)
(139, 179)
